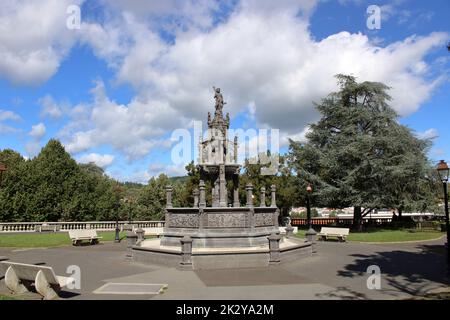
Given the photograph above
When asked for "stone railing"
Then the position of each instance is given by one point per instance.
(75, 225)
(338, 221)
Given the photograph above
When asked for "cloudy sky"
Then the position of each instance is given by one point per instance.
(114, 89)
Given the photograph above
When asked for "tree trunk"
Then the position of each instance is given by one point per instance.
(400, 211)
(357, 219)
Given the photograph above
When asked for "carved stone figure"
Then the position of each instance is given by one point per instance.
(219, 100)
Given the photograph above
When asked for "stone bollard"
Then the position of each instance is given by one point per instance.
(140, 236)
(186, 253)
(263, 197)
(274, 248)
(289, 231)
(311, 237)
(249, 189)
(131, 241)
(169, 197)
(273, 202)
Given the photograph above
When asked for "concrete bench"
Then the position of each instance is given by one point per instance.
(340, 233)
(77, 236)
(19, 278)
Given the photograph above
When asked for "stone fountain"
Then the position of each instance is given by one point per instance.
(225, 234)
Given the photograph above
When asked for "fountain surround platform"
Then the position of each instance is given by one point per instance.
(221, 237)
(152, 252)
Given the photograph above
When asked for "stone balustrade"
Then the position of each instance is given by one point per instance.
(75, 225)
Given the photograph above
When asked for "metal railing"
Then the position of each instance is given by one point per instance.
(75, 225)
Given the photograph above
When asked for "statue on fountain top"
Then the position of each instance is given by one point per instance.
(219, 101)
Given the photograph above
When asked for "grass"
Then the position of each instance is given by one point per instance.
(37, 240)
(384, 235)
(5, 297)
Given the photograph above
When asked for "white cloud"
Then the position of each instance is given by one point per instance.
(262, 56)
(49, 107)
(100, 160)
(32, 148)
(5, 129)
(428, 134)
(143, 176)
(8, 115)
(298, 137)
(37, 131)
(156, 169)
(271, 62)
(33, 39)
(134, 129)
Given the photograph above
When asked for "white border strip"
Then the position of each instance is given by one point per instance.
(163, 287)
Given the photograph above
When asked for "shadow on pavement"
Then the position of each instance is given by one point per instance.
(342, 293)
(410, 272)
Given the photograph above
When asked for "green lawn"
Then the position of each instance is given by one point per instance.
(388, 235)
(34, 240)
(4, 297)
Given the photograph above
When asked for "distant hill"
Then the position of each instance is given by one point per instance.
(179, 179)
(133, 185)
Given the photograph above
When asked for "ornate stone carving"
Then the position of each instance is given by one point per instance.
(226, 220)
(263, 219)
(183, 220)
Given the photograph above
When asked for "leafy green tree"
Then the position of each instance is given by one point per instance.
(55, 177)
(358, 154)
(13, 191)
(153, 197)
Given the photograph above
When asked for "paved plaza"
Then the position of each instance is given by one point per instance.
(335, 271)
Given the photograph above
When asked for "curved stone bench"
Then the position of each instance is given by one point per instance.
(20, 276)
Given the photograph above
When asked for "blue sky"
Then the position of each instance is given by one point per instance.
(115, 89)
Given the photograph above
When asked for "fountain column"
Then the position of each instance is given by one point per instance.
(249, 189)
(263, 197)
(236, 191)
(274, 202)
(202, 203)
(222, 187)
(195, 193)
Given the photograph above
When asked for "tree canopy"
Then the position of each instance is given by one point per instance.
(359, 155)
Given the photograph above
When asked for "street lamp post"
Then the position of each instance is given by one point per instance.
(308, 205)
(311, 233)
(117, 205)
(443, 171)
(117, 238)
